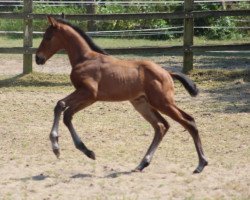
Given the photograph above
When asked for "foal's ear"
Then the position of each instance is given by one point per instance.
(52, 21)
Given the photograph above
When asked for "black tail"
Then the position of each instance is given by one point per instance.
(187, 83)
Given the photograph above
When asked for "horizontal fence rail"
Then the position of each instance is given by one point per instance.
(135, 32)
(143, 50)
(118, 2)
(131, 16)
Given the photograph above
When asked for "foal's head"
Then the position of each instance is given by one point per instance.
(51, 42)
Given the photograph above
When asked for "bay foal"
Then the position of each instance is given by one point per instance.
(98, 76)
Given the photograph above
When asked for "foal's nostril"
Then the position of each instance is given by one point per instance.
(40, 60)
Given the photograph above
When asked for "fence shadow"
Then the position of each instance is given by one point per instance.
(205, 60)
(229, 61)
(35, 80)
(234, 98)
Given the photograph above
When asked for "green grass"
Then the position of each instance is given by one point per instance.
(124, 42)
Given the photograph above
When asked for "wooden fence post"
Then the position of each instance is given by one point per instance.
(27, 38)
(91, 9)
(188, 36)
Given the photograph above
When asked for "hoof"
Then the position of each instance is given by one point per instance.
(136, 170)
(196, 171)
(90, 154)
(200, 168)
(141, 166)
(56, 152)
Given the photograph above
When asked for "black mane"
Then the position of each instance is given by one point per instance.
(87, 38)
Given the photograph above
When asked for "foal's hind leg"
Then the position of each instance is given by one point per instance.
(197, 141)
(188, 123)
(159, 124)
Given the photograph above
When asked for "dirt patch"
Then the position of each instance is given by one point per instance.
(120, 137)
(12, 64)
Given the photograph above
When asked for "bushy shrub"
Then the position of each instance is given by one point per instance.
(221, 27)
(219, 32)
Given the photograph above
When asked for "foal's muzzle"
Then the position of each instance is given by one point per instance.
(40, 60)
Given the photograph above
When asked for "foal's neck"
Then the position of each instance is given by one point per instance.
(76, 46)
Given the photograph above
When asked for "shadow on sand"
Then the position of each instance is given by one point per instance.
(35, 80)
(110, 175)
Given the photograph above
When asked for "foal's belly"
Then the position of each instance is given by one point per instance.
(117, 91)
(120, 85)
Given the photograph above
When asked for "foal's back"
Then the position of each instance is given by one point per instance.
(119, 80)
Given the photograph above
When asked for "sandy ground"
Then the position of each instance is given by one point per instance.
(120, 137)
(12, 64)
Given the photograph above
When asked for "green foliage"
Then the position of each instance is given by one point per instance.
(11, 25)
(218, 32)
(222, 29)
(132, 24)
(41, 25)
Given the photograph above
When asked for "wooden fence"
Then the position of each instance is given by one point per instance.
(188, 48)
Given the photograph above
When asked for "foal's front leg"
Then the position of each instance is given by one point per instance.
(60, 107)
(74, 103)
(68, 115)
